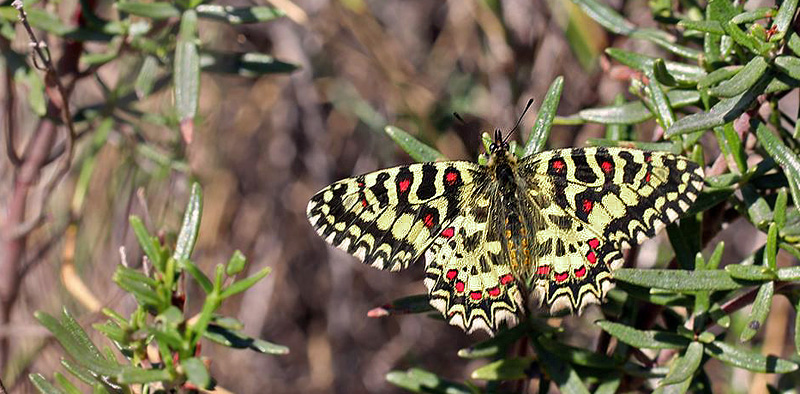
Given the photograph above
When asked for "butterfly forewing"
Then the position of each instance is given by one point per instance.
(599, 201)
(550, 226)
(388, 218)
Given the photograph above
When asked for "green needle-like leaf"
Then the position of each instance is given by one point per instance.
(68, 387)
(605, 16)
(797, 324)
(238, 15)
(683, 73)
(235, 264)
(198, 275)
(678, 280)
(191, 225)
(644, 339)
(238, 340)
(149, 244)
(79, 372)
(743, 80)
(750, 272)
(723, 112)
(784, 156)
(74, 342)
(493, 346)
(156, 10)
(746, 40)
(132, 375)
(771, 250)
(717, 76)
(251, 64)
(754, 15)
(716, 256)
(731, 144)
(196, 372)
(43, 385)
(713, 27)
(505, 369)
(406, 305)
(418, 380)
(759, 313)
(636, 112)
(779, 213)
(789, 65)
(657, 96)
(414, 147)
(748, 360)
(684, 367)
(187, 68)
(146, 78)
(544, 120)
(783, 19)
(244, 284)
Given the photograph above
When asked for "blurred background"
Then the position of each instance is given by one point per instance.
(262, 146)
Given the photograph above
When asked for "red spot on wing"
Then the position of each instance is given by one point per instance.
(448, 232)
(403, 185)
(587, 206)
(592, 257)
(460, 286)
(506, 279)
(494, 291)
(452, 274)
(647, 177)
(475, 295)
(580, 272)
(428, 221)
(594, 243)
(607, 166)
(451, 177)
(363, 202)
(543, 270)
(562, 277)
(559, 165)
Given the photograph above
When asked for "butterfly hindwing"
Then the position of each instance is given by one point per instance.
(467, 274)
(599, 201)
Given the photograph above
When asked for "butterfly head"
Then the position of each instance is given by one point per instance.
(499, 144)
(499, 150)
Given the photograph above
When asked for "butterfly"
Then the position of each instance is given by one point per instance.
(498, 239)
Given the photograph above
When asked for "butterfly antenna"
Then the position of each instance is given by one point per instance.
(527, 106)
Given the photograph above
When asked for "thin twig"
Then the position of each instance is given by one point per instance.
(61, 101)
(11, 152)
